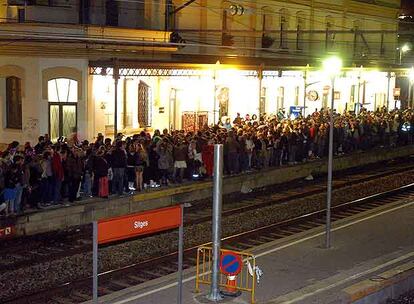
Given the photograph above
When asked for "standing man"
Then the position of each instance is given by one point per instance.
(58, 174)
(119, 163)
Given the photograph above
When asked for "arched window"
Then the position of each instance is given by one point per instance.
(284, 25)
(63, 99)
(62, 90)
(13, 103)
(358, 47)
(267, 19)
(300, 26)
(329, 33)
(267, 26)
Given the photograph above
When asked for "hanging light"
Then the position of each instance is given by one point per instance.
(233, 9)
(236, 9)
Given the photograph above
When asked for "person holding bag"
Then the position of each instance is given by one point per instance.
(100, 172)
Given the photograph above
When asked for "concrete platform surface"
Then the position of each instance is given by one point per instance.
(300, 270)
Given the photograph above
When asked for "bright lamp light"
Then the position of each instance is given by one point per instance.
(405, 48)
(411, 74)
(332, 65)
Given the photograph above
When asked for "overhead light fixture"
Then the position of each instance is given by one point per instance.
(236, 9)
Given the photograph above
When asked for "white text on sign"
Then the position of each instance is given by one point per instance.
(140, 225)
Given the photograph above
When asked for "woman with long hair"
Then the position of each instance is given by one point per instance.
(140, 167)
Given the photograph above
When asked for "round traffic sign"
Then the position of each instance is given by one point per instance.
(230, 263)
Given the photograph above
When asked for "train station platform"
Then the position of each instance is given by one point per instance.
(84, 212)
(370, 253)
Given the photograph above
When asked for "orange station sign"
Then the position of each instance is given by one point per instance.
(142, 223)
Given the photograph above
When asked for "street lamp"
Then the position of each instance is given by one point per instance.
(402, 50)
(332, 67)
(410, 84)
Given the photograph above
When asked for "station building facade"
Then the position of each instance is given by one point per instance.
(180, 64)
(189, 99)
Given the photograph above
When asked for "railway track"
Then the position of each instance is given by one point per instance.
(115, 280)
(32, 250)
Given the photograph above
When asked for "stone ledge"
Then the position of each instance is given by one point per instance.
(379, 289)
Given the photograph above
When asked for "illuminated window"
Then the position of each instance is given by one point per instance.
(280, 98)
(353, 95)
(144, 105)
(63, 98)
(13, 103)
(262, 104)
(297, 95)
(62, 90)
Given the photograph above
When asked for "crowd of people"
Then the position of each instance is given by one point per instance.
(52, 173)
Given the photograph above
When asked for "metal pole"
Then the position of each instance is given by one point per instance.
(216, 229)
(305, 81)
(412, 94)
(260, 91)
(400, 55)
(359, 94)
(409, 94)
(180, 257)
(116, 77)
(214, 99)
(388, 90)
(95, 262)
(330, 160)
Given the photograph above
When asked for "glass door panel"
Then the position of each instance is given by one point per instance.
(54, 122)
(68, 120)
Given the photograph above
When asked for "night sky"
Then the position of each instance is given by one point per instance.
(407, 6)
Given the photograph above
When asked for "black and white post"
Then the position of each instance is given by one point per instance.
(216, 229)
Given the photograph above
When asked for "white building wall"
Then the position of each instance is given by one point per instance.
(35, 120)
(31, 104)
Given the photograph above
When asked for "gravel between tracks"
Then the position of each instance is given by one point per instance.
(407, 298)
(28, 279)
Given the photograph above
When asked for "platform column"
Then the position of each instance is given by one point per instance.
(116, 78)
(388, 90)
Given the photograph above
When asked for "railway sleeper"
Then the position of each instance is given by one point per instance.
(150, 274)
(137, 279)
(112, 286)
(60, 300)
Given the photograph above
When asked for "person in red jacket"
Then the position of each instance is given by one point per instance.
(208, 157)
(58, 174)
